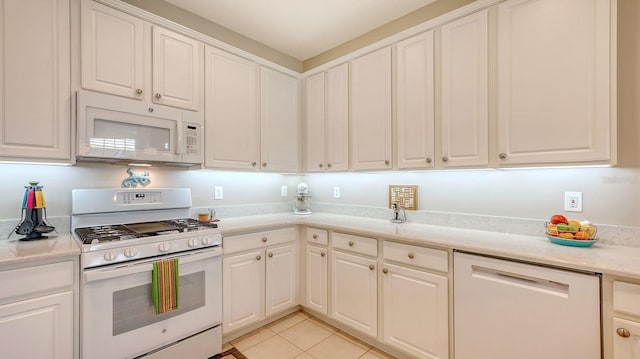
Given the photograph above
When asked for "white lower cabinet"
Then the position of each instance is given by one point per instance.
(316, 279)
(37, 314)
(626, 321)
(259, 277)
(415, 311)
(354, 285)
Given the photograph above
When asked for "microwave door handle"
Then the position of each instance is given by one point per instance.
(146, 266)
(180, 133)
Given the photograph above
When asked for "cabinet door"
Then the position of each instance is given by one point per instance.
(315, 123)
(464, 97)
(337, 118)
(177, 70)
(242, 290)
(35, 92)
(112, 51)
(415, 102)
(416, 314)
(354, 292)
(371, 111)
(282, 279)
(279, 121)
(316, 279)
(232, 122)
(626, 347)
(38, 328)
(554, 81)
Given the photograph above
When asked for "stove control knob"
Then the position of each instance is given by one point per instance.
(207, 240)
(164, 247)
(110, 256)
(130, 252)
(193, 242)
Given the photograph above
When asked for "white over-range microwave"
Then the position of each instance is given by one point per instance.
(119, 130)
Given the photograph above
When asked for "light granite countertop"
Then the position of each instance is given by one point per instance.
(600, 258)
(14, 251)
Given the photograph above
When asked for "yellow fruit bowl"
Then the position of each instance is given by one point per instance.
(571, 234)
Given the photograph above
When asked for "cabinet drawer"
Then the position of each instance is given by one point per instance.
(42, 278)
(428, 258)
(317, 236)
(626, 298)
(244, 242)
(356, 244)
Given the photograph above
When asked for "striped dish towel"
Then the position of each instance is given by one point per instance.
(164, 281)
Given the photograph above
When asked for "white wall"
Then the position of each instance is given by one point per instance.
(610, 195)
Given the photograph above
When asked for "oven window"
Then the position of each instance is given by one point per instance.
(133, 307)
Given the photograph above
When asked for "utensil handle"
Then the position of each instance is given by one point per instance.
(30, 199)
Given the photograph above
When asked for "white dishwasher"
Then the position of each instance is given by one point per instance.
(511, 310)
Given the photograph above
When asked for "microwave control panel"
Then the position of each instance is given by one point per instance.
(192, 135)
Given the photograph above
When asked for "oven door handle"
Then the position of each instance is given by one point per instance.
(145, 266)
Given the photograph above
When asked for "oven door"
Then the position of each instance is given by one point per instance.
(118, 318)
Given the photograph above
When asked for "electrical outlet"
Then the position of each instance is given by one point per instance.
(573, 201)
(336, 192)
(283, 191)
(218, 193)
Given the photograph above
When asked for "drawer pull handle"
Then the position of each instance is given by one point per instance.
(270, 255)
(322, 254)
(371, 267)
(385, 270)
(411, 255)
(258, 257)
(315, 236)
(264, 239)
(350, 243)
(623, 332)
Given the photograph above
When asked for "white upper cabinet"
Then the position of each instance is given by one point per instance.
(120, 56)
(112, 47)
(370, 135)
(415, 102)
(279, 121)
(232, 120)
(35, 80)
(177, 70)
(315, 123)
(327, 120)
(464, 92)
(554, 73)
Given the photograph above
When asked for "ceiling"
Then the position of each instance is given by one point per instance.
(301, 28)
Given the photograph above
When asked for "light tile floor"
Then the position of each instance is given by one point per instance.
(302, 336)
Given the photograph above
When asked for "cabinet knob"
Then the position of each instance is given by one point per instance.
(264, 164)
(253, 164)
(371, 267)
(258, 257)
(428, 160)
(139, 91)
(264, 239)
(502, 155)
(385, 270)
(322, 254)
(315, 236)
(150, 109)
(158, 96)
(445, 158)
(270, 255)
(623, 332)
(320, 165)
(386, 162)
(350, 243)
(329, 165)
(410, 255)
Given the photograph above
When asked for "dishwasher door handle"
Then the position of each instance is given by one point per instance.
(520, 280)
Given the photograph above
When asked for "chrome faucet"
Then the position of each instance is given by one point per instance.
(399, 215)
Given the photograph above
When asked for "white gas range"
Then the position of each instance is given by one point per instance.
(122, 232)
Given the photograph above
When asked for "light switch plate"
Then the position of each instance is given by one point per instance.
(218, 193)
